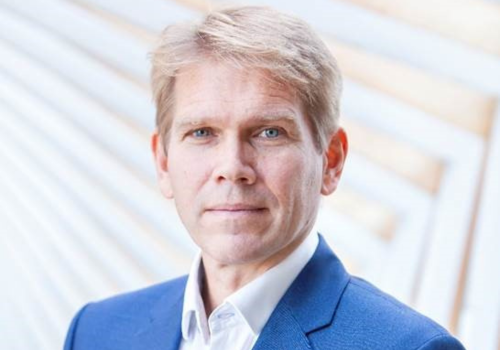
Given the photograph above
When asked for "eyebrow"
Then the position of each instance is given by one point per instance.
(285, 115)
(186, 121)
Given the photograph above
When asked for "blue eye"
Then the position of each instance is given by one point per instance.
(271, 133)
(201, 133)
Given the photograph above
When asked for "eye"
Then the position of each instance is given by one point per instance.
(200, 133)
(271, 133)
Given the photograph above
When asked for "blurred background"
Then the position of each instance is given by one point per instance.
(417, 212)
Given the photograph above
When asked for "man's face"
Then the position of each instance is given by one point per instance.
(241, 164)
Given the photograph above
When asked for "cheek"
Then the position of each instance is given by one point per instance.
(293, 178)
(187, 173)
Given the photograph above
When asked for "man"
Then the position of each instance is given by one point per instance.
(247, 141)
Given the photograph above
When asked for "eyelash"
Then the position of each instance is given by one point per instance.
(193, 133)
(279, 130)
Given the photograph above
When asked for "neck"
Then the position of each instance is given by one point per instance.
(220, 279)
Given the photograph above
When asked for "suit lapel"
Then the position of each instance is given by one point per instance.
(309, 303)
(163, 332)
(282, 332)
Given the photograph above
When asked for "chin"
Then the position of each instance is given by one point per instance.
(238, 249)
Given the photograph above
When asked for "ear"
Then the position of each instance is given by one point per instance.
(334, 158)
(161, 163)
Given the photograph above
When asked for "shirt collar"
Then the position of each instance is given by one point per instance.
(265, 291)
(193, 312)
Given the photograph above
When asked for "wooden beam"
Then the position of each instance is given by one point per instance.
(198, 5)
(478, 323)
(368, 212)
(398, 156)
(435, 95)
(474, 22)
(118, 22)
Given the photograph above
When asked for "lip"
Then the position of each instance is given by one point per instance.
(235, 208)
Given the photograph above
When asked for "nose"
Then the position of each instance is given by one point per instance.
(235, 163)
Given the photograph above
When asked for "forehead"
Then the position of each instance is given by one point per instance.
(212, 88)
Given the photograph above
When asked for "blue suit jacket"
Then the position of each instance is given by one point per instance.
(325, 308)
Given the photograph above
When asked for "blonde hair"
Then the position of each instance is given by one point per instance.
(252, 37)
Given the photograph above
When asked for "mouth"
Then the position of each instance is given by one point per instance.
(236, 209)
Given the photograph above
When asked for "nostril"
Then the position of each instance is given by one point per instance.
(236, 174)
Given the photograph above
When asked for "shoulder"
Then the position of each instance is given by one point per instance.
(140, 301)
(367, 318)
(121, 316)
(366, 301)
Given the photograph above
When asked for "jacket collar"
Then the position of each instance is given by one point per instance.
(316, 291)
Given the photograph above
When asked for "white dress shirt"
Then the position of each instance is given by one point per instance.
(236, 323)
